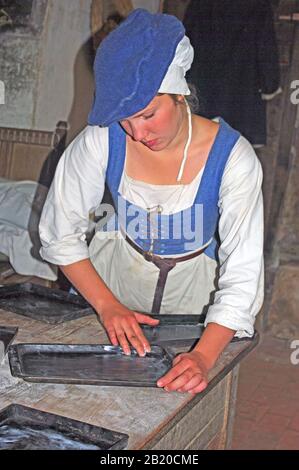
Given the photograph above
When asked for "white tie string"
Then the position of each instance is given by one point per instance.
(179, 177)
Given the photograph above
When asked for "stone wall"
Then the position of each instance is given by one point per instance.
(283, 310)
(280, 164)
(19, 54)
(46, 67)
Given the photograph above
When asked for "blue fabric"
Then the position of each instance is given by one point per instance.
(207, 196)
(131, 63)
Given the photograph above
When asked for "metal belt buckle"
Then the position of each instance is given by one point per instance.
(148, 256)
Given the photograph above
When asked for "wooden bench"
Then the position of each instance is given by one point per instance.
(24, 153)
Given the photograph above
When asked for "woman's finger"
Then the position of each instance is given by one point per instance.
(112, 335)
(123, 341)
(146, 319)
(180, 381)
(136, 341)
(194, 382)
(140, 335)
(172, 374)
(199, 388)
(177, 359)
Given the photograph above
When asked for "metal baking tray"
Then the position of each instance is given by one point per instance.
(23, 428)
(179, 319)
(87, 364)
(42, 303)
(174, 329)
(178, 330)
(7, 334)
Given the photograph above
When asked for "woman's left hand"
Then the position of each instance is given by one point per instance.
(188, 374)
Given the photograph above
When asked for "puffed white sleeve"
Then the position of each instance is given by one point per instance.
(241, 268)
(77, 189)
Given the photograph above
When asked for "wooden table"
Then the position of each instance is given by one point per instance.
(153, 418)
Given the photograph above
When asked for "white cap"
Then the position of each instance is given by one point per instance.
(174, 81)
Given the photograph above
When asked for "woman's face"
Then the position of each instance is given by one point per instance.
(157, 126)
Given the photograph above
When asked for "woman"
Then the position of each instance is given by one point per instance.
(187, 230)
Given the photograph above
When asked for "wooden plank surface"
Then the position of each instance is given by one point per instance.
(145, 414)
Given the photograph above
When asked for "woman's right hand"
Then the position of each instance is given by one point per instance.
(122, 326)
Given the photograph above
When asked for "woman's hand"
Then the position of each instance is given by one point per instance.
(188, 374)
(122, 326)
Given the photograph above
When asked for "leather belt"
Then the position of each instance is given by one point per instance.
(165, 265)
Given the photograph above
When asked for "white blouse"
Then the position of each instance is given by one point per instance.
(77, 190)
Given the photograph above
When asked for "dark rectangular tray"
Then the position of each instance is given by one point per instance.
(179, 330)
(172, 334)
(23, 428)
(179, 319)
(87, 364)
(42, 303)
(7, 334)
(175, 330)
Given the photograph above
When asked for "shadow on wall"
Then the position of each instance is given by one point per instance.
(77, 119)
(83, 90)
(83, 76)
